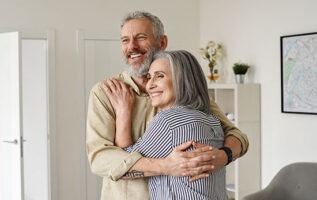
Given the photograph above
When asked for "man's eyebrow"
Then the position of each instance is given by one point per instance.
(142, 34)
(137, 35)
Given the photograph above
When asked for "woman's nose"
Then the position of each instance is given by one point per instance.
(150, 84)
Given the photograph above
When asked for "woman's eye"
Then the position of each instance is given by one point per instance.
(155, 77)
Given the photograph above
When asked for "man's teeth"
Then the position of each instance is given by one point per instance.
(135, 55)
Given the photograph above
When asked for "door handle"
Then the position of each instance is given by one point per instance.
(11, 142)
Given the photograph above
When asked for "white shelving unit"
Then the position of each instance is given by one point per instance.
(243, 101)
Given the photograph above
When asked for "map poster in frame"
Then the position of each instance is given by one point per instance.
(299, 73)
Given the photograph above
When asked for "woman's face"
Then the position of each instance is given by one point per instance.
(160, 84)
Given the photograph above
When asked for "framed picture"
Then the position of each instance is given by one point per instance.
(299, 73)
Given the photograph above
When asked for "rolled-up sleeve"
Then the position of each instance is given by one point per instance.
(105, 159)
(229, 128)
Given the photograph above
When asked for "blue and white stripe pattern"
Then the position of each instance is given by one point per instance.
(169, 129)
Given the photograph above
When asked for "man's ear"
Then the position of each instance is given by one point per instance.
(163, 43)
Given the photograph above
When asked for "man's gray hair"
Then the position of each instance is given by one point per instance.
(157, 25)
(189, 82)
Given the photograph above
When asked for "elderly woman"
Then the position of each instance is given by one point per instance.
(177, 87)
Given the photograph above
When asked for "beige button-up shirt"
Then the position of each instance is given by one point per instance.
(111, 162)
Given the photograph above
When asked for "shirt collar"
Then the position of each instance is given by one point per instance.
(126, 77)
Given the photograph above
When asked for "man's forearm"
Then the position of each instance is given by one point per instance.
(230, 130)
(123, 137)
(235, 145)
(145, 167)
(177, 163)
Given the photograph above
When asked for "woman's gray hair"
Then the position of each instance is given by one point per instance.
(189, 82)
(157, 25)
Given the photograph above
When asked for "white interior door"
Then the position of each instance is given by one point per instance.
(102, 60)
(100, 57)
(10, 118)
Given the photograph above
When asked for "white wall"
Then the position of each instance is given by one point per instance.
(65, 17)
(250, 31)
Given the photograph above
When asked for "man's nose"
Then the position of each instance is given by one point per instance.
(133, 44)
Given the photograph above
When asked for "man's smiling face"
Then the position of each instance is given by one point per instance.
(138, 44)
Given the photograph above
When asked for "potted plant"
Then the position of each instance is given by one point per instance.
(240, 69)
(212, 53)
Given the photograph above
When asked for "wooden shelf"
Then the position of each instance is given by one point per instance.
(243, 101)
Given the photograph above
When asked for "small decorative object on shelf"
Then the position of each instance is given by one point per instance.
(214, 75)
(240, 69)
(212, 53)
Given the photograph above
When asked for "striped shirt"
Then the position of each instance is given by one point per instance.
(170, 128)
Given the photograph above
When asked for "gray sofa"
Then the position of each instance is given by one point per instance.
(297, 181)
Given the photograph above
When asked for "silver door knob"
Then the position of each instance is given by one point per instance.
(11, 142)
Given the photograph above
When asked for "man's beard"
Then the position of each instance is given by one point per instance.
(143, 69)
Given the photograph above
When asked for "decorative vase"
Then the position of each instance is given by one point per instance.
(240, 78)
(211, 73)
(214, 75)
